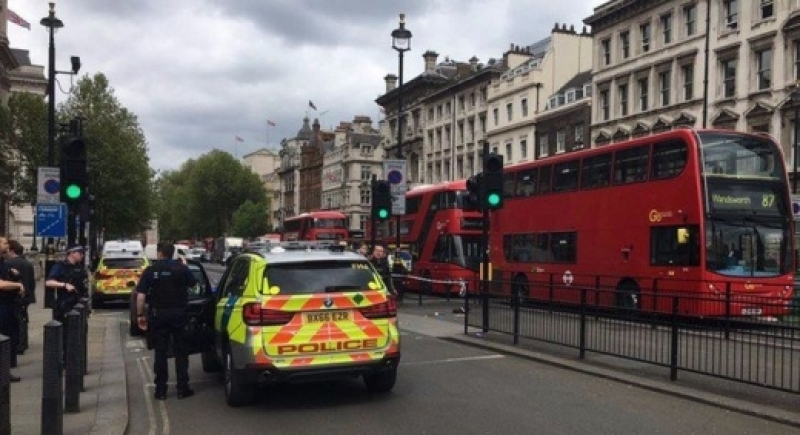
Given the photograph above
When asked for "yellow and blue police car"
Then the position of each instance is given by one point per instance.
(286, 315)
(116, 275)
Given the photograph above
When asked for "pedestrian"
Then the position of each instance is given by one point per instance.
(383, 267)
(165, 287)
(363, 249)
(70, 279)
(16, 261)
(399, 271)
(10, 292)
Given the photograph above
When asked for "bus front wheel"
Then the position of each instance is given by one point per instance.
(628, 296)
(519, 288)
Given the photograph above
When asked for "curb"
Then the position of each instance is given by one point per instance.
(730, 404)
(112, 416)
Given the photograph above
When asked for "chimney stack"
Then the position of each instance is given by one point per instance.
(391, 82)
(430, 57)
(473, 62)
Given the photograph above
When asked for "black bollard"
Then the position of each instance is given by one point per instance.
(85, 310)
(52, 382)
(73, 375)
(5, 385)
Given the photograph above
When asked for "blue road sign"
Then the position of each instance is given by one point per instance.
(51, 220)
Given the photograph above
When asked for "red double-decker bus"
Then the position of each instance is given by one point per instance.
(442, 238)
(690, 212)
(315, 225)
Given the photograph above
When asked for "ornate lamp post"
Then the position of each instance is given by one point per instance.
(401, 41)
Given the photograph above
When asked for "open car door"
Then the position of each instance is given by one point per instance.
(199, 328)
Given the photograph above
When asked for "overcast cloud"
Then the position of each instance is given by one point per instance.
(197, 73)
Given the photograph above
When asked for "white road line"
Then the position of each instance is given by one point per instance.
(451, 360)
(164, 417)
(151, 415)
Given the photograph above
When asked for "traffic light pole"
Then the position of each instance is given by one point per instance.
(373, 227)
(485, 249)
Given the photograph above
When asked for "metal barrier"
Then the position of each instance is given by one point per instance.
(460, 283)
(762, 351)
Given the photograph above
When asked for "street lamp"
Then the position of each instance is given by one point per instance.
(401, 41)
(52, 23)
(796, 104)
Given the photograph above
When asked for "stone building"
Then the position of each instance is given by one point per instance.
(264, 163)
(310, 169)
(563, 125)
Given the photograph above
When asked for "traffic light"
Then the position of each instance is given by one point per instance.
(73, 170)
(493, 181)
(381, 200)
(471, 199)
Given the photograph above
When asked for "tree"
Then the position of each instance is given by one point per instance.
(200, 198)
(119, 170)
(23, 135)
(250, 220)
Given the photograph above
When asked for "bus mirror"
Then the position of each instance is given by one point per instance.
(683, 236)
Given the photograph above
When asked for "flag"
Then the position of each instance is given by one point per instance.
(270, 123)
(238, 139)
(311, 105)
(16, 19)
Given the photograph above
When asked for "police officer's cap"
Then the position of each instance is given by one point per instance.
(75, 248)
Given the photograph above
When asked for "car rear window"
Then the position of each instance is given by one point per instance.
(320, 276)
(123, 263)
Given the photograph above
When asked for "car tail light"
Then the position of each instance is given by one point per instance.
(254, 315)
(382, 310)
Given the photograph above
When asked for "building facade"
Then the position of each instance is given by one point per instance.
(563, 126)
(264, 163)
(289, 173)
(533, 74)
(310, 169)
(650, 61)
(348, 167)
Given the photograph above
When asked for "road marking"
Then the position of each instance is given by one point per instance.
(451, 360)
(151, 415)
(135, 343)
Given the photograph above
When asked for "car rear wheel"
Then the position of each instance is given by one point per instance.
(381, 382)
(237, 393)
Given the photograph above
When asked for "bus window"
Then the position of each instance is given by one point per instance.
(508, 184)
(596, 171)
(541, 251)
(565, 176)
(564, 247)
(674, 246)
(669, 159)
(526, 183)
(544, 180)
(740, 155)
(630, 166)
(445, 251)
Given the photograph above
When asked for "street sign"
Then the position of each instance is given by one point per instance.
(51, 220)
(394, 171)
(48, 185)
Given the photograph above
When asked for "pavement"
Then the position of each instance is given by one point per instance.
(104, 405)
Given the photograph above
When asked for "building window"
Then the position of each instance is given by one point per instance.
(767, 9)
(663, 85)
(366, 172)
(764, 68)
(570, 96)
(690, 18)
(625, 44)
(666, 28)
(561, 141)
(731, 13)
(524, 104)
(509, 112)
(643, 97)
(687, 73)
(509, 153)
(729, 78)
(365, 197)
(543, 144)
(472, 100)
(496, 116)
(644, 29)
(362, 222)
(579, 128)
(605, 105)
(523, 149)
(606, 51)
(623, 99)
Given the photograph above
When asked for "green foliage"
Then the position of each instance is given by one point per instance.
(119, 169)
(200, 198)
(250, 220)
(23, 138)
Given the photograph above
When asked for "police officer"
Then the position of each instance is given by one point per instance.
(10, 292)
(165, 286)
(26, 275)
(383, 267)
(70, 279)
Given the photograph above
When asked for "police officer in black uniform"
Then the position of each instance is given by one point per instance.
(165, 287)
(10, 292)
(70, 279)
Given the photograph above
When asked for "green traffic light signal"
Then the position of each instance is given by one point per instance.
(383, 214)
(493, 199)
(73, 191)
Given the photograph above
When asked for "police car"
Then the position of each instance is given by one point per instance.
(116, 276)
(286, 315)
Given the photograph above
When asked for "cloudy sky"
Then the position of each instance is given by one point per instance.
(198, 73)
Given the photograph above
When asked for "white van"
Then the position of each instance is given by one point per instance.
(151, 252)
